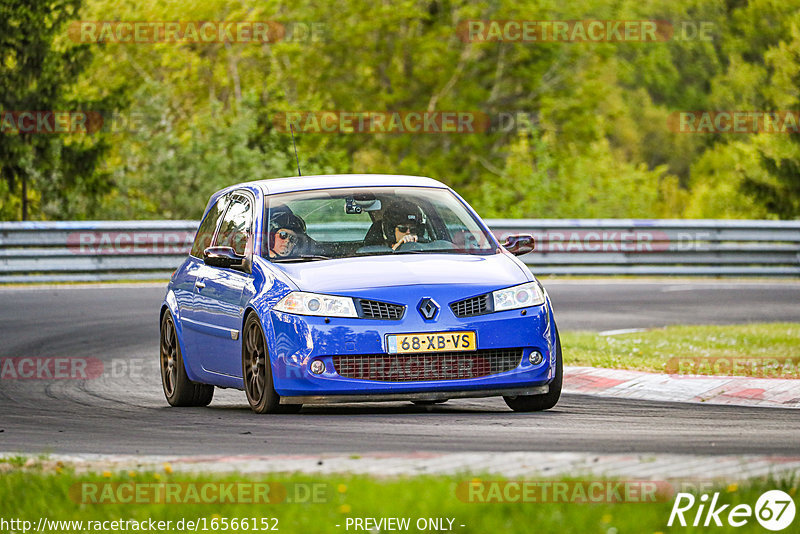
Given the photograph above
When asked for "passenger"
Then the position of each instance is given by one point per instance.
(286, 231)
(402, 223)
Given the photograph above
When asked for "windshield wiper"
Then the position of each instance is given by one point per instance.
(302, 257)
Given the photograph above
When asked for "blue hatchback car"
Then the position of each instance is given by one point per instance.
(350, 288)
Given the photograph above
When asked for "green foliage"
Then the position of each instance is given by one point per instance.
(37, 71)
(595, 142)
(592, 182)
(169, 169)
(718, 191)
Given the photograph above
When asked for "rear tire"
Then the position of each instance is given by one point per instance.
(538, 403)
(178, 389)
(257, 372)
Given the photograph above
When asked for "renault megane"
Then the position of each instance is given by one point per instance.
(351, 288)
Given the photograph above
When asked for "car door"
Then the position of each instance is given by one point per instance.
(219, 292)
(186, 280)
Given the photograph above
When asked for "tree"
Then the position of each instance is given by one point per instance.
(781, 193)
(753, 175)
(167, 169)
(37, 70)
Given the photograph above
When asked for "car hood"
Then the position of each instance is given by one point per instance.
(342, 275)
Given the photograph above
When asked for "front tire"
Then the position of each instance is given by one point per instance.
(178, 389)
(257, 372)
(538, 403)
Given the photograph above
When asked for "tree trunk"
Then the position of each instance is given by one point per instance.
(24, 198)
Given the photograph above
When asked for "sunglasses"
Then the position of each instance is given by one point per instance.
(404, 228)
(283, 234)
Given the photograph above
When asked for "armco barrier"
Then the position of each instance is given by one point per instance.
(141, 250)
(686, 247)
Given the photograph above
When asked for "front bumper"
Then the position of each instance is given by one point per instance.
(426, 396)
(296, 341)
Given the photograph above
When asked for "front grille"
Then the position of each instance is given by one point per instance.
(427, 365)
(471, 306)
(373, 309)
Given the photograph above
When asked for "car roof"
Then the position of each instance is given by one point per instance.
(330, 181)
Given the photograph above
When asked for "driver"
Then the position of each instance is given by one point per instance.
(402, 223)
(286, 230)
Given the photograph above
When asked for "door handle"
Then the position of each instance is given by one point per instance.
(199, 284)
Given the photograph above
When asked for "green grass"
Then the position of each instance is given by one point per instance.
(20, 460)
(14, 461)
(651, 350)
(30, 494)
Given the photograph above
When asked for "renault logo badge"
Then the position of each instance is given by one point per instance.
(428, 308)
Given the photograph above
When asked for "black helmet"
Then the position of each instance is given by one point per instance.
(287, 220)
(401, 213)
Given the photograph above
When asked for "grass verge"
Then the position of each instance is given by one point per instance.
(652, 350)
(29, 495)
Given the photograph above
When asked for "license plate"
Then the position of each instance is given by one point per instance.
(431, 342)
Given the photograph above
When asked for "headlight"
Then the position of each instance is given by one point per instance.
(302, 303)
(521, 296)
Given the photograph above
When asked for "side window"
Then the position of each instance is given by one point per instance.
(235, 225)
(206, 231)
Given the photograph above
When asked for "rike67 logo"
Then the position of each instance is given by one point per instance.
(774, 510)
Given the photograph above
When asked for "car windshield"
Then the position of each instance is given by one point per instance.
(343, 223)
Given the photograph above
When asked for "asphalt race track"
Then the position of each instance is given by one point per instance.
(124, 411)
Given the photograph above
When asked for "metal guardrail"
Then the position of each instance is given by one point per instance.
(142, 250)
(686, 247)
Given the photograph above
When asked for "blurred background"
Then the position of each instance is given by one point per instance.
(577, 129)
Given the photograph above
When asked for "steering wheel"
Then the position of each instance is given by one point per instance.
(411, 245)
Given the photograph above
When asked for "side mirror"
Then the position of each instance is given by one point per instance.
(224, 257)
(519, 244)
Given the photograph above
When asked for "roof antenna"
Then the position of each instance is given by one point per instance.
(295, 151)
